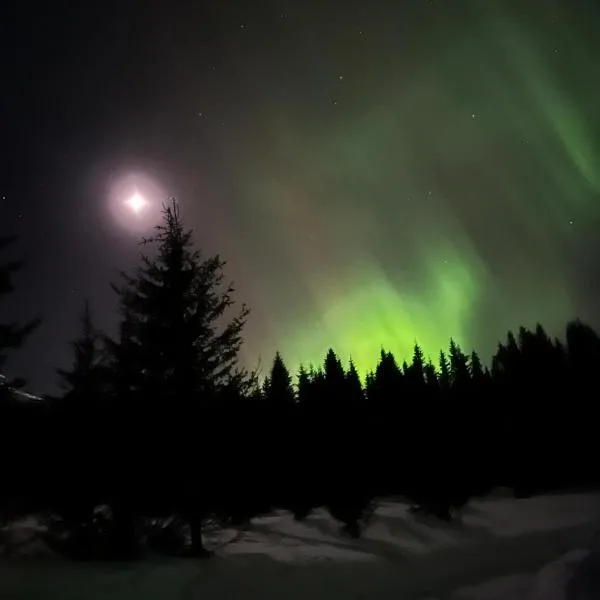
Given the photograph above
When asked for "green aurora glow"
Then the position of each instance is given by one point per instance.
(412, 181)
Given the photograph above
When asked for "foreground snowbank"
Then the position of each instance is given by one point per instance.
(573, 576)
(535, 549)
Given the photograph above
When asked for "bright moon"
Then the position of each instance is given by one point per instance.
(134, 200)
(136, 203)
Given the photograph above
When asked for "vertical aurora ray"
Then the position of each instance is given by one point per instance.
(551, 101)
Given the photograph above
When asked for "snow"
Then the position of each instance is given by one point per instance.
(543, 548)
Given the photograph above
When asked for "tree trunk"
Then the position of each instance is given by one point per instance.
(197, 549)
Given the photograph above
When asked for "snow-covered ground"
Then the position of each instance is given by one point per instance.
(543, 548)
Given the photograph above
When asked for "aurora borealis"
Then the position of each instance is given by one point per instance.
(445, 197)
(375, 174)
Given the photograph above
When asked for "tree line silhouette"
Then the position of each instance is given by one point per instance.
(159, 429)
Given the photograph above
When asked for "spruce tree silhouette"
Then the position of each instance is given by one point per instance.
(305, 454)
(279, 424)
(278, 390)
(331, 436)
(415, 373)
(347, 493)
(578, 433)
(460, 429)
(385, 403)
(183, 351)
(355, 405)
(476, 368)
(427, 424)
(12, 335)
(459, 368)
(480, 412)
(87, 376)
(18, 421)
(445, 378)
(316, 427)
(334, 374)
(356, 394)
(431, 377)
(79, 422)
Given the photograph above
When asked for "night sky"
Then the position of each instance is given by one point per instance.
(374, 173)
